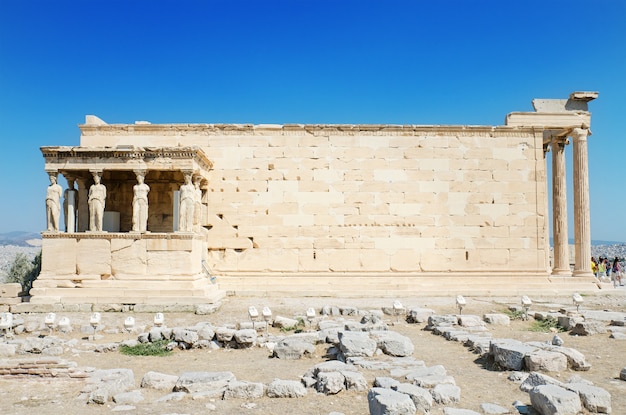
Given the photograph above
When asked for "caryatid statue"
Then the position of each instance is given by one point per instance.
(53, 203)
(140, 204)
(96, 201)
(70, 201)
(187, 204)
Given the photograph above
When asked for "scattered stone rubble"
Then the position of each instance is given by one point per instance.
(43, 367)
(355, 339)
(547, 395)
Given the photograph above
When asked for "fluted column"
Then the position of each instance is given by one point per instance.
(83, 206)
(546, 213)
(559, 208)
(582, 217)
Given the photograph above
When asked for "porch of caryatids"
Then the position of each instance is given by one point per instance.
(582, 220)
(559, 207)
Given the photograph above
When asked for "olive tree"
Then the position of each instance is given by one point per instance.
(24, 271)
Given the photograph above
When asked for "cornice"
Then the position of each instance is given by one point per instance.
(119, 235)
(300, 129)
(60, 154)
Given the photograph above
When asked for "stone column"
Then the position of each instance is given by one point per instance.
(559, 208)
(69, 204)
(546, 213)
(582, 222)
(83, 206)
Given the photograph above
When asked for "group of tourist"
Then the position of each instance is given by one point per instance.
(604, 269)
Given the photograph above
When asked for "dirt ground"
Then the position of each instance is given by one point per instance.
(478, 382)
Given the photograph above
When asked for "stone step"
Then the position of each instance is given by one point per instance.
(365, 286)
(154, 285)
(100, 295)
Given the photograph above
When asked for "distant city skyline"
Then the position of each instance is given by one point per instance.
(322, 62)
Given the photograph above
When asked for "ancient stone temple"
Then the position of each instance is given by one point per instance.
(182, 213)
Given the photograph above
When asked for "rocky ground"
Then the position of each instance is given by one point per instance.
(479, 379)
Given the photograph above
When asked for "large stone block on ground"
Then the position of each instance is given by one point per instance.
(537, 379)
(105, 383)
(286, 389)
(192, 382)
(124, 398)
(575, 359)
(356, 344)
(393, 343)
(569, 322)
(589, 328)
(188, 337)
(468, 320)
(330, 383)
(244, 390)
(329, 366)
(224, 334)
(354, 380)
(594, 399)
(388, 402)
(422, 398)
(497, 319)
(419, 315)
(442, 320)
(245, 337)
(554, 400)
(446, 394)
(293, 349)
(428, 377)
(510, 355)
(161, 381)
(542, 360)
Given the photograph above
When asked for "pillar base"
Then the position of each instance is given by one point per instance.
(562, 272)
(583, 273)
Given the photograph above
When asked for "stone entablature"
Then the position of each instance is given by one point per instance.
(94, 134)
(68, 159)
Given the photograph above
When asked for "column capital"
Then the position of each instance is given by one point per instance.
(69, 176)
(560, 140)
(580, 134)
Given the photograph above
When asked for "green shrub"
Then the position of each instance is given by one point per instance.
(157, 348)
(546, 325)
(514, 314)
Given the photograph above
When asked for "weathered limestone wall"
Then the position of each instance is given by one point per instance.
(123, 267)
(364, 199)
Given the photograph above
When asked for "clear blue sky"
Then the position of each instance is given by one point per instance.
(396, 62)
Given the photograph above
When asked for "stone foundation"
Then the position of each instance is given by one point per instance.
(125, 268)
